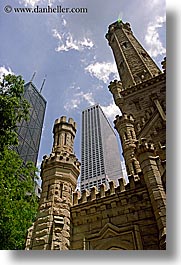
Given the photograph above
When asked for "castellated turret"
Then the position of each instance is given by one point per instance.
(64, 134)
(59, 173)
(125, 126)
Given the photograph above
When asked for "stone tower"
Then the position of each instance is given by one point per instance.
(59, 173)
(141, 91)
(133, 62)
(141, 97)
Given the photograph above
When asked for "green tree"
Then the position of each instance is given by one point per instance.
(18, 202)
(13, 108)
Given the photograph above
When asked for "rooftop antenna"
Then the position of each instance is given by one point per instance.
(43, 83)
(33, 77)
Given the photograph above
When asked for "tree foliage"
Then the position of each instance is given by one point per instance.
(18, 202)
(13, 108)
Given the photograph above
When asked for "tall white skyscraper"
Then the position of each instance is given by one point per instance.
(100, 158)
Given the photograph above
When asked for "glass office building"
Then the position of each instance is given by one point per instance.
(29, 132)
(100, 158)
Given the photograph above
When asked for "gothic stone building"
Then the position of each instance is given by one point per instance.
(131, 216)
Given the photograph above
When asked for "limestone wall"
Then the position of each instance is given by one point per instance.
(118, 218)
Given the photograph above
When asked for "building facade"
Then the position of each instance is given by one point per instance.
(29, 132)
(131, 216)
(100, 158)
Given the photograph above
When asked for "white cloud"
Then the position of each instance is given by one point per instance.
(67, 42)
(64, 22)
(78, 98)
(30, 2)
(73, 104)
(156, 4)
(111, 111)
(89, 98)
(56, 34)
(152, 38)
(34, 3)
(102, 71)
(5, 71)
(123, 166)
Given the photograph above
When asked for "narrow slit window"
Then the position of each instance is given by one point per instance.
(48, 191)
(134, 168)
(132, 135)
(125, 135)
(58, 140)
(61, 190)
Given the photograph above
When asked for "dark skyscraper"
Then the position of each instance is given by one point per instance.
(100, 159)
(29, 132)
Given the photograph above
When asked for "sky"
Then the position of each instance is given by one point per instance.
(71, 50)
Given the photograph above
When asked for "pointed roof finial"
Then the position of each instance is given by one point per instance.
(33, 77)
(43, 83)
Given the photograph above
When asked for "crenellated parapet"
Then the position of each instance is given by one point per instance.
(125, 118)
(104, 192)
(164, 64)
(143, 146)
(63, 120)
(118, 25)
(115, 87)
(122, 208)
(62, 157)
(125, 126)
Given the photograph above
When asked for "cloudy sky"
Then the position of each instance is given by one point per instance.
(71, 50)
